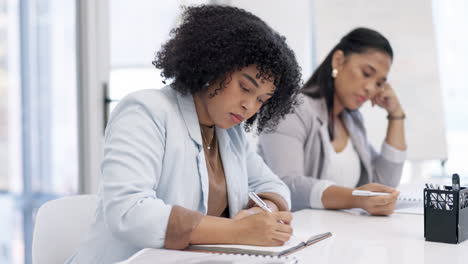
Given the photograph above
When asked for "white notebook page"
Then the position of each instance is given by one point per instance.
(165, 256)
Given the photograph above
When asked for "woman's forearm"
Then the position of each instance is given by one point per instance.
(396, 131)
(219, 230)
(338, 197)
(214, 230)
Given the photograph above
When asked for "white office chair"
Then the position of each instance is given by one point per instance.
(60, 227)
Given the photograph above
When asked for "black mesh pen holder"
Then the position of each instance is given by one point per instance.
(446, 215)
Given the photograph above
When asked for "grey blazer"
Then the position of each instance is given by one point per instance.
(296, 151)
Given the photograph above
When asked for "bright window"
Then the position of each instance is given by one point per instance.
(137, 31)
(451, 24)
(38, 115)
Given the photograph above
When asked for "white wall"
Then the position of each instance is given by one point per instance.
(414, 75)
(292, 19)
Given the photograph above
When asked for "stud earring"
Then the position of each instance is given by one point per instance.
(334, 73)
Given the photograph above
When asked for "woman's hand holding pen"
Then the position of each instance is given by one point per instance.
(255, 209)
(247, 212)
(263, 228)
(378, 205)
(387, 99)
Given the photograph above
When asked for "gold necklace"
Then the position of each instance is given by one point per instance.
(208, 145)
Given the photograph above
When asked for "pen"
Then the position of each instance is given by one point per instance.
(368, 193)
(257, 200)
(433, 196)
(455, 182)
(443, 197)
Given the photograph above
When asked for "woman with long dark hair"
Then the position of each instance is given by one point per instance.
(321, 150)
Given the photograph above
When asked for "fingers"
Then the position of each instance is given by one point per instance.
(383, 210)
(282, 237)
(380, 205)
(375, 99)
(264, 228)
(283, 232)
(276, 242)
(384, 97)
(284, 216)
(283, 228)
(384, 200)
(276, 232)
(383, 205)
(376, 187)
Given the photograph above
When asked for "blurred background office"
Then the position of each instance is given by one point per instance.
(64, 64)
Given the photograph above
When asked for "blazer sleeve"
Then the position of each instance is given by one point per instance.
(262, 180)
(131, 168)
(283, 151)
(387, 165)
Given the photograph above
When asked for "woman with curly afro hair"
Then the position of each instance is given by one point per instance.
(177, 166)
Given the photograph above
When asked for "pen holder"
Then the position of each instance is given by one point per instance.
(446, 215)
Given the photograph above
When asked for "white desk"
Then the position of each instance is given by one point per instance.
(397, 239)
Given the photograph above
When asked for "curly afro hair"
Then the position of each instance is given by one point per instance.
(213, 41)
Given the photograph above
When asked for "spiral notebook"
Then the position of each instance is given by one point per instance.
(406, 204)
(289, 247)
(409, 204)
(165, 256)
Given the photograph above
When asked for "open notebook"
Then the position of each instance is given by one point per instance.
(165, 256)
(410, 204)
(406, 204)
(289, 247)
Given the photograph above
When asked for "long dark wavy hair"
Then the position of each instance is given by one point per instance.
(212, 41)
(321, 84)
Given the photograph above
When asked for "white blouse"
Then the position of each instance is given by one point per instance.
(345, 166)
(344, 170)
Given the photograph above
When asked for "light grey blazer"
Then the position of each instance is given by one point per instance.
(154, 159)
(296, 151)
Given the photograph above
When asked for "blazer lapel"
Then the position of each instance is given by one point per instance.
(320, 109)
(189, 114)
(324, 137)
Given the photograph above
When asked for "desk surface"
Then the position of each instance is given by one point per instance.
(398, 238)
(357, 238)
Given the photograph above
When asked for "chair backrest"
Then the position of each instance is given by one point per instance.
(60, 227)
